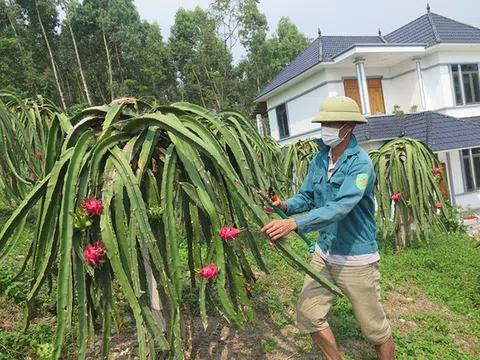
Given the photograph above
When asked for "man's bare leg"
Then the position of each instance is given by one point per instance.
(386, 351)
(326, 342)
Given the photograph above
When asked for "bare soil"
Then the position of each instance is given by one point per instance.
(266, 341)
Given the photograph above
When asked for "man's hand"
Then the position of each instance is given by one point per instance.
(279, 203)
(278, 229)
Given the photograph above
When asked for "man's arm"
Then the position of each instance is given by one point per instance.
(349, 194)
(304, 200)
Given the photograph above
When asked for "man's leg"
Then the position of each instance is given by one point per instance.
(325, 340)
(312, 308)
(386, 351)
(361, 284)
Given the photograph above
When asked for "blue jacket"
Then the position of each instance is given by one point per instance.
(342, 208)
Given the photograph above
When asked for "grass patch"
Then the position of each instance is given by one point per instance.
(443, 273)
(447, 269)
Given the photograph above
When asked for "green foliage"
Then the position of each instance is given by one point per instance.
(422, 269)
(453, 220)
(77, 108)
(24, 131)
(14, 345)
(450, 278)
(266, 58)
(159, 171)
(96, 39)
(45, 351)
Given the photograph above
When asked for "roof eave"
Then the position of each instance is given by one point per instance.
(351, 50)
(338, 58)
(264, 97)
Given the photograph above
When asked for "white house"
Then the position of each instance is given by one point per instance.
(429, 67)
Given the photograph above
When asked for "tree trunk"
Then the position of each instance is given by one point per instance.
(403, 234)
(12, 23)
(119, 64)
(85, 87)
(79, 85)
(60, 92)
(63, 82)
(109, 63)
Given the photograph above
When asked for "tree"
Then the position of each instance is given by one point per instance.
(407, 189)
(14, 60)
(156, 70)
(203, 63)
(28, 58)
(68, 7)
(50, 53)
(227, 18)
(266, 58)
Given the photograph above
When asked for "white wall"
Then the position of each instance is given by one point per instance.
(302, 110)
(458, 57)
(471, 199)
(310, 82)
(438, 87)
(400, 87)
(371, 145)
(462, 111)
(272, 119)
(303, 136)
(402, 91)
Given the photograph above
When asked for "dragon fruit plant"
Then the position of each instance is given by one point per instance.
(116, 186)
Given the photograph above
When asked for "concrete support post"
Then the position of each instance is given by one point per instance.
(420, 83)
(363, 85)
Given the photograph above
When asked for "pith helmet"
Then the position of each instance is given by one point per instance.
(339, 108)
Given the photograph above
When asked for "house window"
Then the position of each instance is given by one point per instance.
(282, 120)
(472, 176)
(466, 83)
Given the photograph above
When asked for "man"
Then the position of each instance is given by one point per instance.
(338, 195)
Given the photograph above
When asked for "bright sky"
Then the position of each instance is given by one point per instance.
(345, 17)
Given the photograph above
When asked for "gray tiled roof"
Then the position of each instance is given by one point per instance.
(428, 29)
(439, 131)
(419, 30)
(334, 45)
(331, 46)
(473, 119)
(307, 58)
(432, 28)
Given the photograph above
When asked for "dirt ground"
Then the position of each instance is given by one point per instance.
(267, 342)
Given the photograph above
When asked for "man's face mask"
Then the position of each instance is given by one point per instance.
(331, 136)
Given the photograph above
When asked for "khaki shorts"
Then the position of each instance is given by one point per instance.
(361, 284)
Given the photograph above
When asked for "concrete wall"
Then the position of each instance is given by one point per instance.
(462, 111)
(458, 57)
(455, 182)
(300, 109)
(371, 145)
(402, 91)
(470, 200)
(438, 87)
(400, 87)
(310, 82)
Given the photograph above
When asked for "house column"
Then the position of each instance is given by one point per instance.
(362, 85)
(420, 83)
(259, 124)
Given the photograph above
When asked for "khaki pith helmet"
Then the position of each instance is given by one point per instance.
(339, 108)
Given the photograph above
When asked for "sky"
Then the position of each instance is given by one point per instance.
(338, 17)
